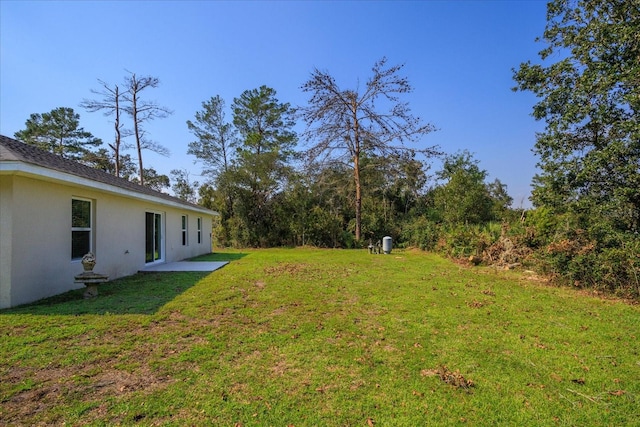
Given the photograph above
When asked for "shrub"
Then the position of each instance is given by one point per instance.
(420, 233)
(596, 258)
(464, 240)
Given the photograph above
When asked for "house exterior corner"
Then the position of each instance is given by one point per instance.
(50, 218)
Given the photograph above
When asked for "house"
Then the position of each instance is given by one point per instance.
(53, 211)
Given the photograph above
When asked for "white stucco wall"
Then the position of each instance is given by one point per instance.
(6, 196)
(40, 241)
(35, 236)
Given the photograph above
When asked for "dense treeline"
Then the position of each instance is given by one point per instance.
(587, 194)
(583, 229)
(361, 169)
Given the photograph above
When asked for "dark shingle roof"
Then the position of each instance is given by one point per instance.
(13, 150)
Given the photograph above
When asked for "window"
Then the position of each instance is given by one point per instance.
(184, 230)
(81, 228)
(199, 230)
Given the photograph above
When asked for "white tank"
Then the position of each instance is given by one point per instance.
(386, 245)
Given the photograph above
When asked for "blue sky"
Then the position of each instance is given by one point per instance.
(458, 56)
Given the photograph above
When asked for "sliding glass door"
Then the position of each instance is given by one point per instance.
(153, 237)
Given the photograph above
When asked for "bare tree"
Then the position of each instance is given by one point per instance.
(344, 124)
(142, 111)
(110, 105)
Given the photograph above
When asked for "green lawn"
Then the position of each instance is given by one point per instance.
(308, 337)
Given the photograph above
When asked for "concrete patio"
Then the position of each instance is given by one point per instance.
(186, 266)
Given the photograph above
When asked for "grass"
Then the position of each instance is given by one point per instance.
(310, 337)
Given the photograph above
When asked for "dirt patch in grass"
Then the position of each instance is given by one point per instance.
(453, 378)
(291, 269)
(55, 386)
(307, 271)
(108, 377)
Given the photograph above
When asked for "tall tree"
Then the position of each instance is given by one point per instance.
(590, 100)
(342, 124)
(58, 132)
(265, 126)
(264, 123)
(216, 140)
(110, 104)
(141, 112)
(215, 146)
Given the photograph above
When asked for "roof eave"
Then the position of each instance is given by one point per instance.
(20, 168)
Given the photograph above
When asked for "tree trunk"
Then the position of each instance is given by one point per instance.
(356, 175)
(136, 128)
(356, 166)
(116, 148)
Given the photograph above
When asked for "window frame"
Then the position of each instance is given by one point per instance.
(184, 224)
(89, 229)
(199, 225)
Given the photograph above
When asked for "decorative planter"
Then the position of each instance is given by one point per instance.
(88, 262)
(90, 279)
